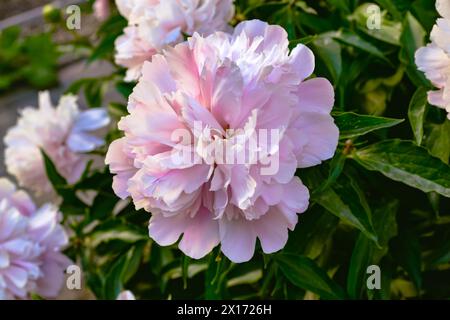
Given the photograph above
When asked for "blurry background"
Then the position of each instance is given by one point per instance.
(31, 56)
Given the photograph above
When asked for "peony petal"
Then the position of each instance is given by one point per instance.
(4, 259)
(303, 61)
(272, 231)
(158, 72)
(316, 95)
(272, 35)
(443, 7)
(319, 138)
(237, 239)
(91, 120)
(201, 235)
(81, 142)
(167, 231)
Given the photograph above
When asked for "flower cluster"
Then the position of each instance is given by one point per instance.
(62, 132)
(155, 24)
(434, 59)
(30, 243)
(247, 81)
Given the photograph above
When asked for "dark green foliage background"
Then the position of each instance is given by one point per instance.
(383, 199)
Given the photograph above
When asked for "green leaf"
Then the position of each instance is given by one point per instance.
(336, 168)
(125, 88)
(57, 180)
(121, 232)
(330, 52)
(385, 224)
(134, 260)
(103, 205)
(416, 113)
(10, 44)
(412, 38)
(76, 86)
(438, 141)
(121, 271)
(306, 274)
(265, 8)
(356, 41)
(43, 55)
(286, 18)
(108, 33)
(352, 125)
(94, 93)
(365, 253)
(408, 163)
(395, 7)
(406, 250)
(93, 89)
(313, 232)
(346, 201)
(71, 203)
(305, 40)
(360, 260)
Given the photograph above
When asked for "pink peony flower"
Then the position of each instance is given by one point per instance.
(126, 295)
(62, 132)
(101, 9)
(30, 243)
(234, 87)
(434, 59)
(154, 24)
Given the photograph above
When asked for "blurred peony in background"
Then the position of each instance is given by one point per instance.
(92, 91)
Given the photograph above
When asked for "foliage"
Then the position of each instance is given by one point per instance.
(28, 59)
(383, 199)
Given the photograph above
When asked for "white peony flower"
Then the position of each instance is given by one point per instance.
(30, 243)
(63, 132)
(434, 59)
(155, 24)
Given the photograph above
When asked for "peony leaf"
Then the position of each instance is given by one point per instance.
(352, 125)
(406, 250)
(330, 51)
(356, 41)
(127, 234)
(306, 274)
(405, 162)
(347, 201)
(438, 141)
(412, 38)
(365, 253)
(121, 271)
(56, 179)
(416, 113)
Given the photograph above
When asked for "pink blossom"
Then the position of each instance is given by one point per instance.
(155, 24)
(30, 243)
(434, 59)
(248, 81)
(126, 295)
(101, 9)
(63, 132)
